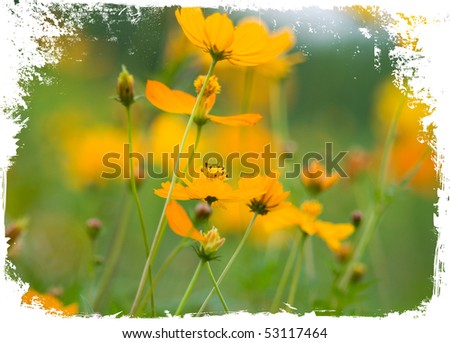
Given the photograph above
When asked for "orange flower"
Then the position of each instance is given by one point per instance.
(247, 44)
(211, 188)
(333, 233)
(180, 223)
(175, 101)
(272, 196)
(316, 179)
(49, 303)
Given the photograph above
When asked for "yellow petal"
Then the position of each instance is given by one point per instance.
(274, 45)
(250, 40)
(218, 32)
(192, 21)
(168, 100)
(248, 119)
(178, 192)
(180, 223)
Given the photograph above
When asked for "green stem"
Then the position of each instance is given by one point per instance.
(379, 205)
(133, 181)
(297, 270)
(138, 204)
(162, 269)
(286, 272)
(248, 87)
(216, 287)
(278, 110)
(191, 156)
(230, 262)
(189, 288)
(159, 230)
(114, 255)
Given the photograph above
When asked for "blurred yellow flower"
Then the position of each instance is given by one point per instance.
(316, 179)
(247, 44)
(411, 141)
(86, 151)
(332, 234)
(175, 101)
(49, 303)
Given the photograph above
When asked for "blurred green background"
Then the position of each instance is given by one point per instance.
(332, 96)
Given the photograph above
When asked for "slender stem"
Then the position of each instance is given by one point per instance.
(159, 230)
(133, 181)
(184, 242)
(189, 288)
(191, 156)
(278, 110)
(286, 272)
(376, 210)
(388, 144)
(248, 87)
(138, 204)
(216, 286)
(297, 270)
(230, 262)
(114, 255)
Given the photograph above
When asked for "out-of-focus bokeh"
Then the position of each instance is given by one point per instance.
(335, 85)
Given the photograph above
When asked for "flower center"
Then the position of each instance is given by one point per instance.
(212, 171)
(211, 88)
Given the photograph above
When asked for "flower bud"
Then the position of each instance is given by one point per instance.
(202, 211)
(344, 252)
(93, 226)
(125, 87)
(212, 242)
(359, 270)
(357, 218)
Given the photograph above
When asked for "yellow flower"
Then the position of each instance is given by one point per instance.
(316, 178)
(180, 223)
(175, 101)
(272, 196)
(333, 233)
(247, 44)
(209, 187)
(49, 303)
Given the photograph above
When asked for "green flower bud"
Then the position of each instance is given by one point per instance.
(125, 87)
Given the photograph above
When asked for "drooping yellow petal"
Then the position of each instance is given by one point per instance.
(192, 23)
(168, 100)
(248, 119)
(180, 223)
(219, 32)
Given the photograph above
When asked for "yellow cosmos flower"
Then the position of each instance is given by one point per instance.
(247, 44)
(272, 196)
(176, 101)
(316, 178)
(181, 224)
(210, 187)
(49, 303)
(332, 234)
